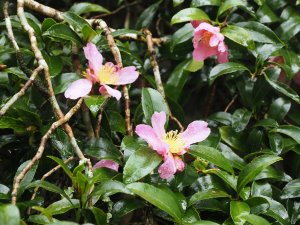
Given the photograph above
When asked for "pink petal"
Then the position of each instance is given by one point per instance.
(158, 121)
(107, 164)
(206, 27)
(79, 88)
(223, 55)
(112, 92)
(203, 51)
(127, 75)
(179, 163)
(148, 134)
(216, 39)
(93, 56)
(168, 168)
(195, 132)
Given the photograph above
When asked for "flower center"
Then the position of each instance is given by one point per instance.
(206, 37)
(106, 74)
(175, 142)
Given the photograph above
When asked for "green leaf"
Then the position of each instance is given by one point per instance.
(120, 32)
(266, 14)
(252, 169)
(229, 179)
(238, 35)
(63, 31)
(47, 23)
(63, 166)
(255, 220)
(260, 32)
(152, 101)
(27, 178)
(125, 206)
(100, 216)
(145, 19)
(88, 33)
(189, 14)
(86, 7)
(197, 3)
(225, 68)
(63, 81)
(62, 206)
(194, 66)
(183, 34)
(177, 79)
(228, 4)
(240, 119)
(140, 164)
(102, 148)
(207, 194)
(291, 190)
(162, 198)
(55, 64)
(74, 20)
(9, 215)
(95, 103)
(109, 188)
(279, 109)
(289, 28)
(284, 89)
(238, 210)
(47, 186)
(232, 138)
(177, 2)
(289, 130)
(204, 222)
(212, 155)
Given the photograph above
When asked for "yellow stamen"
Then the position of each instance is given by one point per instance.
(106, 75)
(175, 142)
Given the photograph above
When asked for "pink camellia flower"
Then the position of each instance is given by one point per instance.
(208, 41)
(171, 145)
(107, 164)
(107, 74)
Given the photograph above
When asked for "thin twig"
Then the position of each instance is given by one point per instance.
(41, 149)
(117, 56)
(230, 103)
(157, 76)
(22, 91)
(98, 124)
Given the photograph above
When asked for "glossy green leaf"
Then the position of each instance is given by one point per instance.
(162, 198)
(63, 31)
(238, 210)
(289, 130)
(109, 188)
(204, 222)
(255, 220)
(238, 35)
(189, 14)
(125, 206)
(182, 35)
(228, 4)
(9, 214)
(62, 206)
(208, 194)
(152, 101)
(284, 89)
(47, 23)
(279, 109)
(27, 178)
(145, 19)
(225, 68)
(74, 20)
(140, 164)
(266, 15)
(63, 166)
(291, 190)
(100, 216)
(87, 7)
(102, 148)
(63, 81)
(177, 2)
(229, 179)
(197, 3)
(212, 155)
(260, 32)
(252, 169)
(95, 102)
(240, 119)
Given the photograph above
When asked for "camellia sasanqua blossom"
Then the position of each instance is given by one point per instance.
(208, 41)
(105, 75)
(171, 145)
